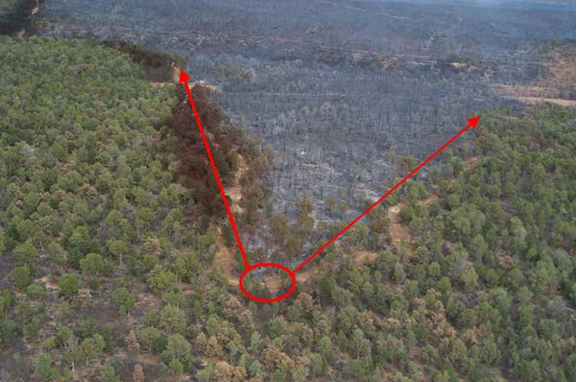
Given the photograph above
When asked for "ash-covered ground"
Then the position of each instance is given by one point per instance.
(338, 88)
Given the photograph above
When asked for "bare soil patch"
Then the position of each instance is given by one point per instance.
(365, 258)
(224, 259)
(234, 191)
(306, 273)
(531, 95)
(273, 283)
(555, 85)
(398, 232)
(430, 199)
(472, 162)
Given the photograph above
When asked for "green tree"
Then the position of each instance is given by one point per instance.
(179, 349)
(79, 244)
(117, 224)
(148, 336)
(327, 350)
(144, 219)
(173, 319)
(68, 286)
(176, 367)
(26, 252)
(94, 265)
(358, 235)
(470, 279)
(2, 242)
(91, 348)
(186, 266)
(118, 248)
(21, 276)
(44, 369)
(124, 300)
(359, 344)
(108, 374)
(160, 279)
(174, 298)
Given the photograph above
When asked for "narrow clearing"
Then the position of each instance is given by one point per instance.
(398, 232)
(224, 259)
(234, 191)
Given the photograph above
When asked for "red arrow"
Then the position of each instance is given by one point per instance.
(184, 79)
(472, 123)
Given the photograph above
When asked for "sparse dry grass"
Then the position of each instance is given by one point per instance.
(555, 85)
(399, 233)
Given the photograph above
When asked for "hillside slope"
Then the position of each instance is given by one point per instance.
(110, 222)
(95, 220)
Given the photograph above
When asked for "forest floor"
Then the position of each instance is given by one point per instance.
(531, 95)
(365, 258)
(234, 191)
(399, 233)
(225, 258)
(306, 274)
(472, 162)
(273, 282)
(554, 85)
(146, 300)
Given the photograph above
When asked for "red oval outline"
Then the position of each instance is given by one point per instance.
(262, 265)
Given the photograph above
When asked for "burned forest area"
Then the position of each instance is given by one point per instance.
(118, 259)
(338, 89)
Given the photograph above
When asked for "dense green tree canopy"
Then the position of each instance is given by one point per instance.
(111, 244)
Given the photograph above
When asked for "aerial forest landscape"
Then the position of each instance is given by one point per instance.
(154, 153)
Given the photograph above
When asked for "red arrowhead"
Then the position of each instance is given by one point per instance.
(183, 77)
(474, 121)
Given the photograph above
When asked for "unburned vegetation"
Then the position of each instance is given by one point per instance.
(117, 263)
